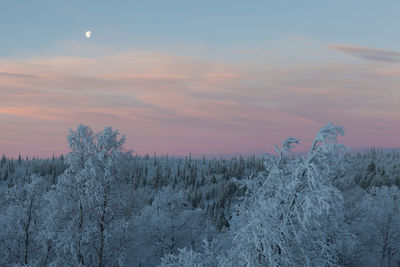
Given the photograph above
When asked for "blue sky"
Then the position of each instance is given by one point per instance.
(34, 26)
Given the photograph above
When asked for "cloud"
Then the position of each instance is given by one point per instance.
(368, 53)
(35, 112)
(177, 104)
(7, 74)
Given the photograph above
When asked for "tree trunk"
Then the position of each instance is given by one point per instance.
(102, 237)
(27, 231)
(26, 244)
(80, 256)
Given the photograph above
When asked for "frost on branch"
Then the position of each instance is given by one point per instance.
(325, 150)
(378, 230)
(21, 223)
(87, 207)
(291, 215)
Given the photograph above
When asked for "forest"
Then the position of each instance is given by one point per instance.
(104, 205)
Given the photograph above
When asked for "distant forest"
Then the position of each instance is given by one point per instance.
(101, 205)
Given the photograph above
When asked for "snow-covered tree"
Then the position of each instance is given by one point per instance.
(88, 207)
(378, 231)
(21, 223)
(189, 258)
(166, 225)
(292, 214)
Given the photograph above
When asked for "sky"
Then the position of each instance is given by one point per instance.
(206, 77)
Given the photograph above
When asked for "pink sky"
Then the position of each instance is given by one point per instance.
(170, 103)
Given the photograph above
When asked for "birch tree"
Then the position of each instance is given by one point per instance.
(88, 219)
(21, 222)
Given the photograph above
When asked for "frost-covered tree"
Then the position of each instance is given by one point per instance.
(21, 223)
(378, 231)
(189, 258)
(88, 207)
(292, 214)
(166, 225)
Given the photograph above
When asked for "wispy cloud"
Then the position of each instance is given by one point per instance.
(13, 75)
(368, 53)
(176, 104)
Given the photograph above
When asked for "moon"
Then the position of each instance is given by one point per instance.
(88, 34)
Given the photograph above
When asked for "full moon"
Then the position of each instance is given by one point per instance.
(88, 34)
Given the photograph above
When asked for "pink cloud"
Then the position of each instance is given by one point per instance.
(173, 104)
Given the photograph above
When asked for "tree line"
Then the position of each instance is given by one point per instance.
(102, 205)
